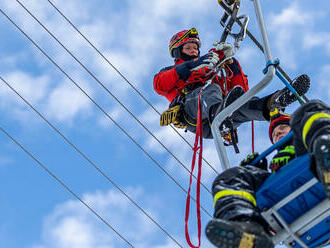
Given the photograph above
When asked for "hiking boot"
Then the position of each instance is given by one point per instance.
(235, 234)
(285, 97)
(232, 95)
(321, 156)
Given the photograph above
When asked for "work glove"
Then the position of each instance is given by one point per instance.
(206, 63)
(282, 158)
(261, 164)
(210, 61)
(225, 48)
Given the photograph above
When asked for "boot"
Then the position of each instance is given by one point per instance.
(284, 97)
(231, 96)
(321, 157)
(237, 234)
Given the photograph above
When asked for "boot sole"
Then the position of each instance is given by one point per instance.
(222, 234)
(301, 84)
(322, 160)
(234, 94)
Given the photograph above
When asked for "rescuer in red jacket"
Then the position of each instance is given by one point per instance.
(182, 83)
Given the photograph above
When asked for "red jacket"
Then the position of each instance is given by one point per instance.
(167, 82)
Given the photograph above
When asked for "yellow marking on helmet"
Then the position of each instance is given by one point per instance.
(190, 31)
(247, 241)
(274, 112)
(309, 124)
(229, 192)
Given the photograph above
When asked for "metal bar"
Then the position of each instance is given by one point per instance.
(316, 214)
(289, 230)
(278, 144)
(260, 18)
(247, 96)
(230, 109)
(257, 43)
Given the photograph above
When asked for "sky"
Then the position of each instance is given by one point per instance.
(94, 125)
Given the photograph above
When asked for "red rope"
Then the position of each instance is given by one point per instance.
(252, 126)
(198, 139)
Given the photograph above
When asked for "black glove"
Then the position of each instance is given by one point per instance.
(282, 158)
(185, 69)
(261, 164)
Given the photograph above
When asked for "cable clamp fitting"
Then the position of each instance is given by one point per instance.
(274, 63)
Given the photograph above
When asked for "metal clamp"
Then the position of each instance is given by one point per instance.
(275, 63)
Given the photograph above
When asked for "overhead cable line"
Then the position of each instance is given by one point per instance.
(98, 106)
(99, 170)
(65, 186)
(109, 92)
(125, 79)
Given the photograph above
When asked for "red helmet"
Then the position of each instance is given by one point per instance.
(277, 118)
(181, 38)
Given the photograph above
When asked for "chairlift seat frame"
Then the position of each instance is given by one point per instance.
(296, 206)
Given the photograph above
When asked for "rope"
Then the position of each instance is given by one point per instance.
(252, 127)
(198, 139)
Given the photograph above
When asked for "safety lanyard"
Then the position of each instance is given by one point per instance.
(198, 141)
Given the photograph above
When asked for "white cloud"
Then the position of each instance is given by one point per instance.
(317, 40)
(292, 16)
(323, 83)
(72, 225)
(65, 102)
(34, 89)
(286, 29)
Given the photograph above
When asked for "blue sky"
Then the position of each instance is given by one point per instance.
(36, 211)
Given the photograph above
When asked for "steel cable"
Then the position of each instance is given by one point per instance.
(90, 161)
(109, 92)
(121, 74)
(99, 107)
(65, 186)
